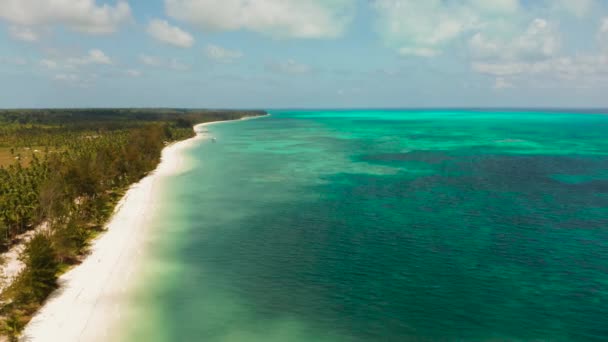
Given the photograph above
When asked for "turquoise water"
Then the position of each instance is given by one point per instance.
(384, 226)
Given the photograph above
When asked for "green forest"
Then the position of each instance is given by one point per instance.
(67, 169)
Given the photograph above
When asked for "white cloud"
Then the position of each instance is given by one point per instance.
(158, 62)
(66, 77)
(424, 28)
(427, 28)
(578, 72)
(98, 57)
(76, 80)
(48, 63)
(290, 67)
(133, 73)
(565, 68)
(169, 34)
(221, 54)
(493, 28)
(24, 34)
(277, 18)
(80, 15)
(532, 57)
(540, 40)
(419, 51)
(151, 60)
(94, 56)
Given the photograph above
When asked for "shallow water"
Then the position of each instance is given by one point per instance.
(383, 226)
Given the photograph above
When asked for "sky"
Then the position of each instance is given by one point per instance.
(303, 54)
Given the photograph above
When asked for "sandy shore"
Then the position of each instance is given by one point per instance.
(87, 305)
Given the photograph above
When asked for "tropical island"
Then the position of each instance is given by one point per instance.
(62, 172)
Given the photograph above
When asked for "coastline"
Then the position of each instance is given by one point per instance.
(87, 304)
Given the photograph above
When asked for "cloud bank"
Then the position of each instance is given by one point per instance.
(79, 15)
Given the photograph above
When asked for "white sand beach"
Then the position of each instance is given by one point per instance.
(87, 305)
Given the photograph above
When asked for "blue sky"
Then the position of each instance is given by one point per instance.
(294, 53)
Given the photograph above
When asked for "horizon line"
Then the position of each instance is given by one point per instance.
(317, 108)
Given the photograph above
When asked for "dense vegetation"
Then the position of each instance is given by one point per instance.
(80, 162)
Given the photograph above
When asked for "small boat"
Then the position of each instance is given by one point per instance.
(213, 140)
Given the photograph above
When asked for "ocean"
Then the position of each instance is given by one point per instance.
(383, 225)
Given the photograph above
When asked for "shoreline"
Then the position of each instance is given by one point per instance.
(87, 304)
